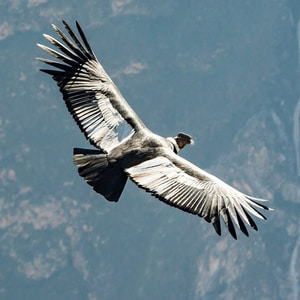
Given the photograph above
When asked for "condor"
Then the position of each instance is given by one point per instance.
(126, 148)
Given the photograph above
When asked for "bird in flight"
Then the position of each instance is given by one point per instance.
(126, 148)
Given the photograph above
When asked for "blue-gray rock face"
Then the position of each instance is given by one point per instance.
(228, 74)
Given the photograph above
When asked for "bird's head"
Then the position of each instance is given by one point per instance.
(183, 139)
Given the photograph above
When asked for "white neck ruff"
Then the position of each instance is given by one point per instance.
(174, 143)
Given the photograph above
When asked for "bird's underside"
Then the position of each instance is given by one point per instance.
(127, 149)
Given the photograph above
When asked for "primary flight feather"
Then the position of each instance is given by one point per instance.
(128, 149)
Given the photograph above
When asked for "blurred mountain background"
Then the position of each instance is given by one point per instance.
(226, 72)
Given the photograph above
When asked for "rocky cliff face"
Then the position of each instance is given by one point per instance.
(225, 73)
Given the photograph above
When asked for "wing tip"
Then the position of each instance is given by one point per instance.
(64, 22)
(217, 227)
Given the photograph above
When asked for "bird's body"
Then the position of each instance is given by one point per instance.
(139, 148)
(126, 148)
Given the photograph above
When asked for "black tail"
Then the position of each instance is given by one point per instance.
(106, 179)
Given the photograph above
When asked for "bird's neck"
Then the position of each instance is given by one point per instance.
(174, 144)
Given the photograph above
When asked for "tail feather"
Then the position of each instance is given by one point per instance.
(105, 178)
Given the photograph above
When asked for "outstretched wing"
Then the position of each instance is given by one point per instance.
(179, 183)
(94, 101)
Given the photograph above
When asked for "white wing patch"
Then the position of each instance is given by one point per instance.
(90, 95)
(202, 194)
(163, 179)
(92, 109)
